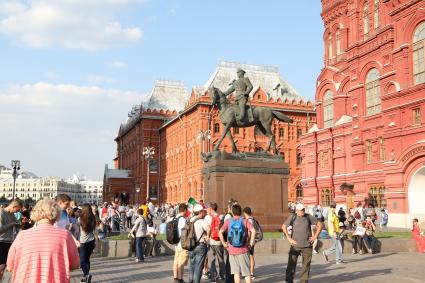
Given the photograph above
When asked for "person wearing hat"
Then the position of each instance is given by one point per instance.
(301, 240)
(242, 88)
(333, 231)
(197, 256)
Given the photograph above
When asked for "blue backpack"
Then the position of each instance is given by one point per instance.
(237, 233)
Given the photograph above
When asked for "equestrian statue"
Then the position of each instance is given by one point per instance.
(240, 115)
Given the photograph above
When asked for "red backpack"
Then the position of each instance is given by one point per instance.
(215, 227)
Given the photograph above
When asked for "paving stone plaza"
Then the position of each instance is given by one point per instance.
(384, 267)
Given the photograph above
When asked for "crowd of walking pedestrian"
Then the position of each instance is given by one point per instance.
(217, 247)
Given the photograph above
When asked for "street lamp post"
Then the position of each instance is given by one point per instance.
(137, 195)
(203, 135)
(16, 166)
(148, 153)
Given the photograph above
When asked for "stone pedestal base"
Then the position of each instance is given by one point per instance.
(259, 181)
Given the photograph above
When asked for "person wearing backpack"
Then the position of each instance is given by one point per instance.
(228, 216)
(301, 240)
(214, 220)
(197, 251)
(240, 239)
(258, 236)
(181, 256)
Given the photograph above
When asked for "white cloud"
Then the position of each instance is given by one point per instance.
(98, 79)
(119, 65)
(59, 129)
(80, 24)
(11, 7)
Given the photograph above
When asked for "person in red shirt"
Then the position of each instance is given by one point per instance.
(419, 238)
(241, 236)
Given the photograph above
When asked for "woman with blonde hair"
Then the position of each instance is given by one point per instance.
(53, 255)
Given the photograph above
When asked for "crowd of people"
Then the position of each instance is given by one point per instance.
(217, 247)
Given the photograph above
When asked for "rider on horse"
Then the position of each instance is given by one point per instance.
(242, 87)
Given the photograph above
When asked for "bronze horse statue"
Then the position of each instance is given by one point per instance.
(262, 117)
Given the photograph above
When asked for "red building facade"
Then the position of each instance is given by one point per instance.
(171, 122)
(369, 141)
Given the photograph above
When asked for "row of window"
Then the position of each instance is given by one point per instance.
(376, 196)
(281, 132)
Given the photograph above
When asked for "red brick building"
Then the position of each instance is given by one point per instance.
(369, 142)
(175, 135)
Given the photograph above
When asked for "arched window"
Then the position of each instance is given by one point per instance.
(328, 109)
(365, 18)
(418, 54)
(330, 52)
(376, 15)
(373, 93)
(338, 42)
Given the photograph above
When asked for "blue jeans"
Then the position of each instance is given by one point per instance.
(197, 258)
(139, 248)
(370, 242)
(335, 248)
(86, 249)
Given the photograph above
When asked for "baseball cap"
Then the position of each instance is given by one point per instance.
(197, 207)
(299, 206)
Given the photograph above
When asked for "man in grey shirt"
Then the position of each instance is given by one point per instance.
(7, 224)
(301, 240)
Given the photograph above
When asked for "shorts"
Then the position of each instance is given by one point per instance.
(251, 251)
(239, 264)
(181, 256)
(4, 251)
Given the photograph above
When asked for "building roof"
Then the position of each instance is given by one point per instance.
(171, 95)
(116, 173)
(266, 77)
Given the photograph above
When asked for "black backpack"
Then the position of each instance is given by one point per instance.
(172, 231)
(258, 230)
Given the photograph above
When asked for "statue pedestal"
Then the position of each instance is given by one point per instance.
(259, 181)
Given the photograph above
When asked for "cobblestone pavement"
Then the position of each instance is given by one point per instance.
(384, 267)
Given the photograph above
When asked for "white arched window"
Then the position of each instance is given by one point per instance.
(373, 93)
(365, 18)
(328, 109)
(376, 14)
(338, 42)
(418, 54)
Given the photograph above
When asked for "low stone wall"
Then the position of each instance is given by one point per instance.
(124, 248)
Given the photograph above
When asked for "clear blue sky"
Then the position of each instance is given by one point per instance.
(70, 70)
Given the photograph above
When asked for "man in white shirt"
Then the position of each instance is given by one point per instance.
(181, 256)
